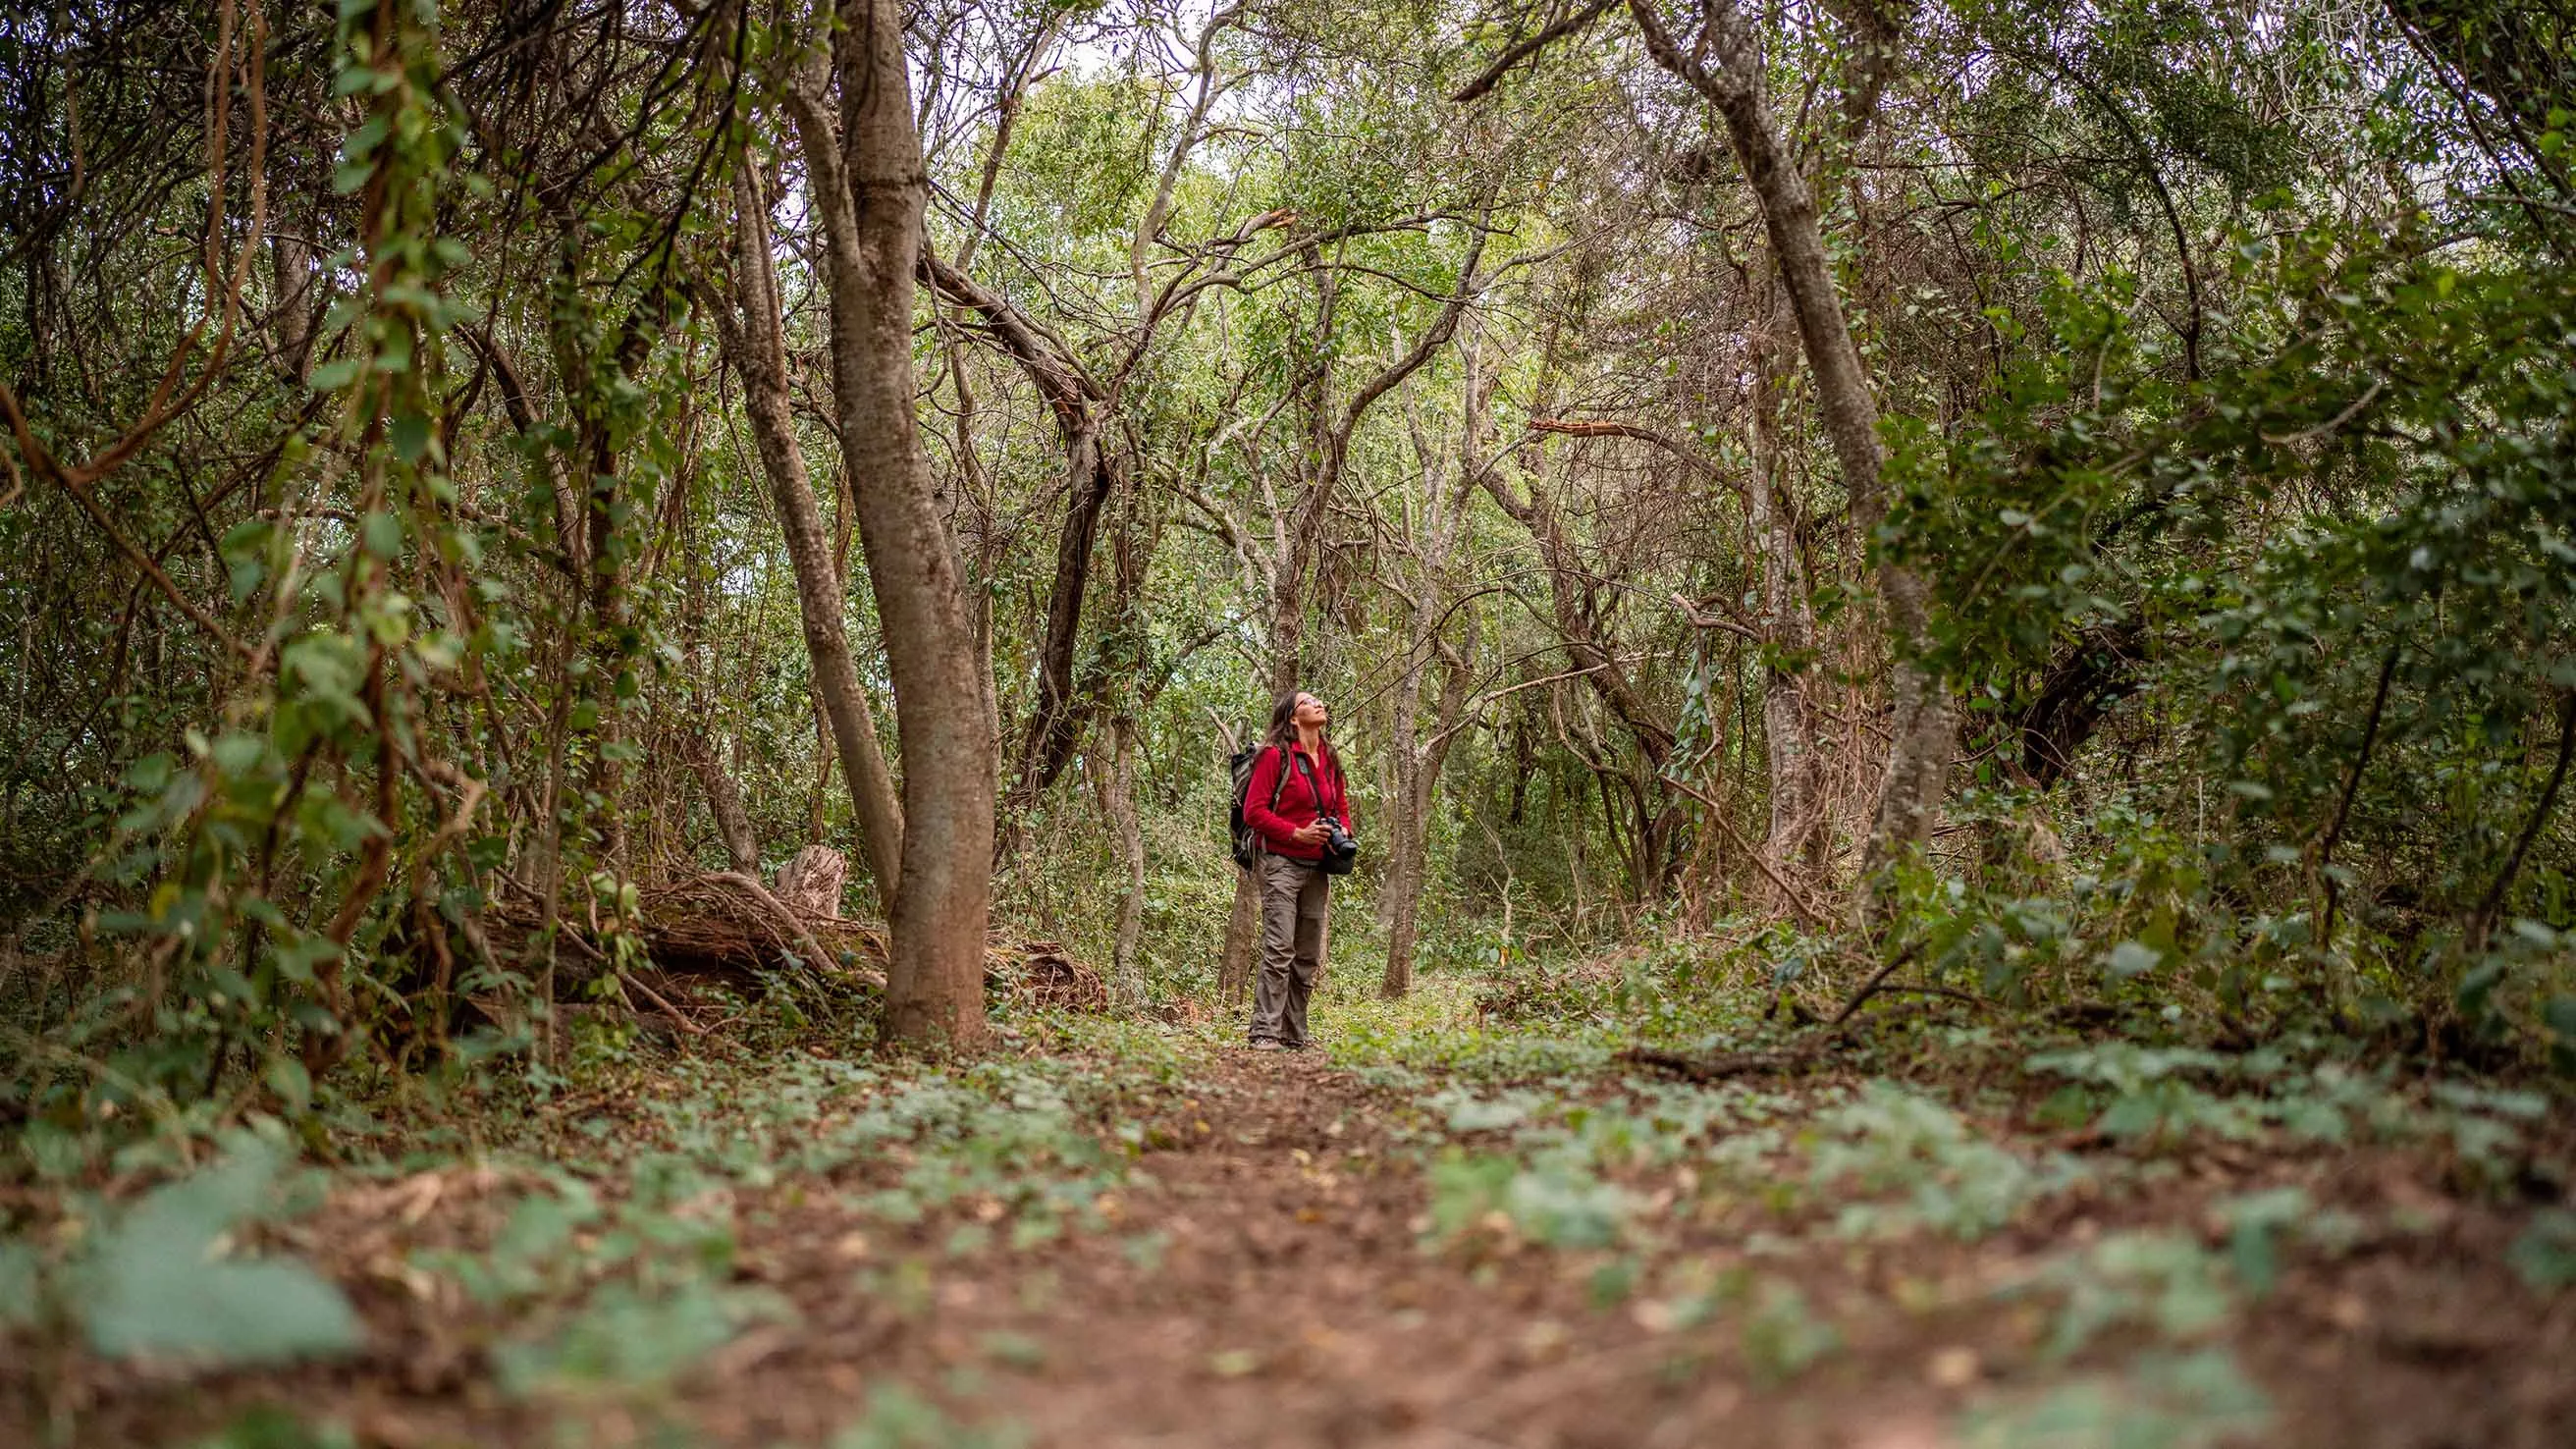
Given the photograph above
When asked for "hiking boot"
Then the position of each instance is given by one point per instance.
(1265, 1044)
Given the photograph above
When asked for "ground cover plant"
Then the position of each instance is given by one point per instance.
(626, 630)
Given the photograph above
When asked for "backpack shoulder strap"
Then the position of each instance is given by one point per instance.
(1287, 761)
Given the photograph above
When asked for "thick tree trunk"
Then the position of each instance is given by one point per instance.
(868, 187)
(1921, 737)
(758, 351)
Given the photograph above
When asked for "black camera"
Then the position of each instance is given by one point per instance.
(1341, 848)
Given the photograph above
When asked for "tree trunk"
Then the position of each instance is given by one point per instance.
(1409, 835)
(293, 281)
(1118, 799)
(1093, 472)
(1404, 831)
(724, 802)
(1918, 760)
(1418, 764)
(868, 188)
(812, 881)
(758, 350)
(1054, 726)
(1234, 967)
(1796, 771)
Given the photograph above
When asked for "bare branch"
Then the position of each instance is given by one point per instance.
(1511, 58)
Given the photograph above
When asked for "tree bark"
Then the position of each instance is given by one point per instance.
(868, 188)
(1921, 736)
(1795, 770)
(293, 282)
(724, 802)
(812, 881)
(1118, 798)
(1409, 863)
(758, 350)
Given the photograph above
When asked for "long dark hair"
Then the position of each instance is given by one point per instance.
(1283, 719)
(1283, 730)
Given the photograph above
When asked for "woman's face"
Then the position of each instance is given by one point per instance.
(1310, 713)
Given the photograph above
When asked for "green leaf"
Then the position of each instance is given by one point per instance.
(383, 534)
(2134, 958)
(297, 958)
(411, 434)
(292, 1083)
(625, 1339)
(362, 142)
(2545, 1254)
(270, 1427)
(18, 1283)
(336, 374)
(156, 1288)
(158, 1304)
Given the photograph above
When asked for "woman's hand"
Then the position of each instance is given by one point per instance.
(1310, 833)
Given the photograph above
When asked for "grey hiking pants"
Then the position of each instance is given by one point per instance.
(1294, 898)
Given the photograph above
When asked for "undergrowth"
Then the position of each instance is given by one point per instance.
(602, 1232)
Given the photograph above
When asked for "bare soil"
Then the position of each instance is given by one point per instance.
(1292, 1303)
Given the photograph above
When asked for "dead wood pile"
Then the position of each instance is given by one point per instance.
(728, 924)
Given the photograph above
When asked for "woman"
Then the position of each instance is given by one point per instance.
(1297, 782)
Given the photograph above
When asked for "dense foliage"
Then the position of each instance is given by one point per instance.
(398, 617)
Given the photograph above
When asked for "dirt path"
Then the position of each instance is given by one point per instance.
(1257, 1276)
(1292, 1305)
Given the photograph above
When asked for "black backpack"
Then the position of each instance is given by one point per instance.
(1247, 842)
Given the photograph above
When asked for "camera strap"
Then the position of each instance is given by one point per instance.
(1306, 767)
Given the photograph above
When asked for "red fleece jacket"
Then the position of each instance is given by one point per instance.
(1297, 803)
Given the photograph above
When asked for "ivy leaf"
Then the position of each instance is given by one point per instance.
(2545, 1254)
(18, 1300)
(2132, 959)
(334, 375)
(157, 1286)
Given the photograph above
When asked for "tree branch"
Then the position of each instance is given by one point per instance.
(1512, 57)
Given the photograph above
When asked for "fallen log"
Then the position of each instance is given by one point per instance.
(727, 921)
(724, 923)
